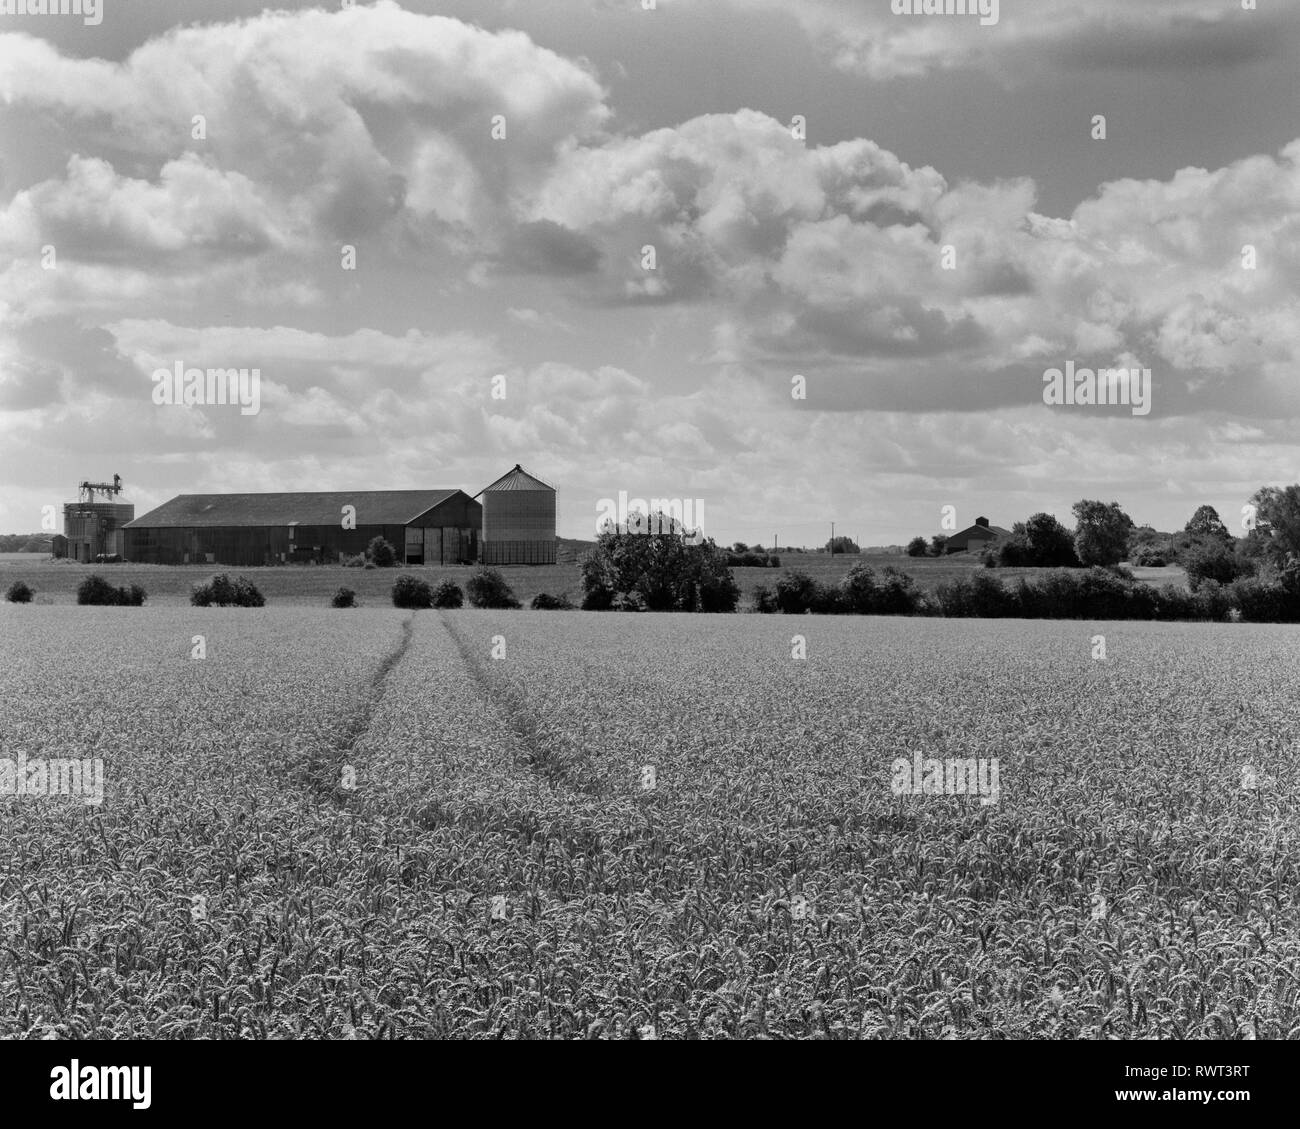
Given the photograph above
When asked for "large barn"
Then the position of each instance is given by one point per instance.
(424, 526)
(518, 520)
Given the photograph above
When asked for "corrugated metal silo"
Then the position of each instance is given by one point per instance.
(95, 528)
(518, 520)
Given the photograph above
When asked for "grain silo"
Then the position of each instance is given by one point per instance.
(518, 520)
(94, 529)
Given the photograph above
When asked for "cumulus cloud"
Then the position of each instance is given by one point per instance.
(343, 118)
(97, 214)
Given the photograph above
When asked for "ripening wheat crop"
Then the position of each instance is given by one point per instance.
(488, 824)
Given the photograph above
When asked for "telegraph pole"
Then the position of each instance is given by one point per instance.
(832, 539)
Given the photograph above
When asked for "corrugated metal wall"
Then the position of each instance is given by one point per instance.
(518, 527)
(257, 546)
(92, 528)
(518, 552)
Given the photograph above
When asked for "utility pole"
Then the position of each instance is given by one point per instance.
(832, 539)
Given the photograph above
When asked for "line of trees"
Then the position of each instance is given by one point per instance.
(1105, 535)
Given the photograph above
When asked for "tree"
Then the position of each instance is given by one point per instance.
(1277, 518)
(916, 547)
(1101, 533)
(663, 571)
(842, 544)
(1040, 542)
(1205, 523)
(937, 545)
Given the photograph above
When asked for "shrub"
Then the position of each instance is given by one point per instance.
(1148, 556)
(223, 592)
(989, 559)
(487, 588)
(96, 590)
(1099, 593)
(598, 599)
(979, 595)
(627, 602)
(19, 593)
(370, 564)
(827, 599)
(357, 561)
(764, 600)
(1212, 601)
(412, 592)
(896, 593)
(1212, 560)
(916, 547)
(344, 598)
(381, 553)
(858, 589)
(544, 603)
(1264, 600)
(448, 595)
(796, 592)
(718, 592)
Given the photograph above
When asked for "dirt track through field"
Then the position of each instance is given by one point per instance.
(542, 755)
(324, 769)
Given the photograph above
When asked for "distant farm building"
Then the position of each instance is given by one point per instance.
(978, 536)
(518, 520)
(423, 526)
(94, 529)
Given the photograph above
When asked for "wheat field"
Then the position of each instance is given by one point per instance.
(534, 825)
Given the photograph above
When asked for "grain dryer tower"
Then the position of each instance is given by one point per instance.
(94, 529)
(518, 520)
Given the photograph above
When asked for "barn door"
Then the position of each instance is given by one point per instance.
(414, 544)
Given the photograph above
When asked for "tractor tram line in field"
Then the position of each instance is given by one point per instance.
(543, 756)
(327, 769)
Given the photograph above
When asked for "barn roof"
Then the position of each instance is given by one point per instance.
(517, 479)
(373, 507)
(973, 530)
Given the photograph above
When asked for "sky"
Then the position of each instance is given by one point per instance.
(806, 263)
